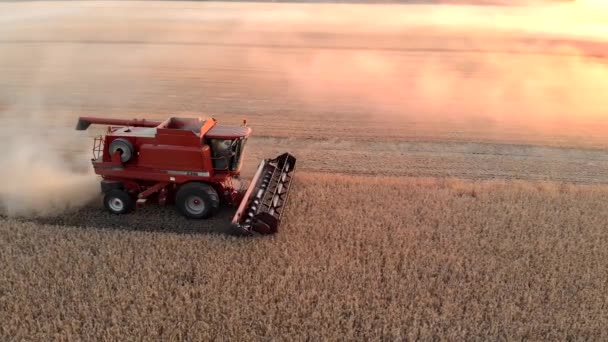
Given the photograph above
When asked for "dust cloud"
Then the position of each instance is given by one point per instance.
(41, 171)
(37, 176)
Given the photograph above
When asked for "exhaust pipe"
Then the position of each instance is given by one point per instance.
(264, 202)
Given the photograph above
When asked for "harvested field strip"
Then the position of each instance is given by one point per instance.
(414, 159)
(359, 257)
(464, 160)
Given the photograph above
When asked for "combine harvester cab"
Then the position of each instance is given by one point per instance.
(264, 201)
(191, 162)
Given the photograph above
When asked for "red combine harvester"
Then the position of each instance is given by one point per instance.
(191, 162)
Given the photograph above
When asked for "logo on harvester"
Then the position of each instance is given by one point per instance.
(188, 173)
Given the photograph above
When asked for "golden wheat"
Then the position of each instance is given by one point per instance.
(358, 258)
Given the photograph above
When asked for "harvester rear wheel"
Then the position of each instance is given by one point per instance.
(118, 202)
(197, 200)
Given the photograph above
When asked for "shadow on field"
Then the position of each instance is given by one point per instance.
(151, 218)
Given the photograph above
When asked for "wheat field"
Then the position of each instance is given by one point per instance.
(451, 183)
(449, 259)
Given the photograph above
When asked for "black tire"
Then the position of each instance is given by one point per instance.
(197, 200)
(124, 146)
(118, 202)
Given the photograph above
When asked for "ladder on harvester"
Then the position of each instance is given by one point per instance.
(98, 147)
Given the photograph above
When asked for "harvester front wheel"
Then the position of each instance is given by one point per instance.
(197, 200)
(118, 202)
